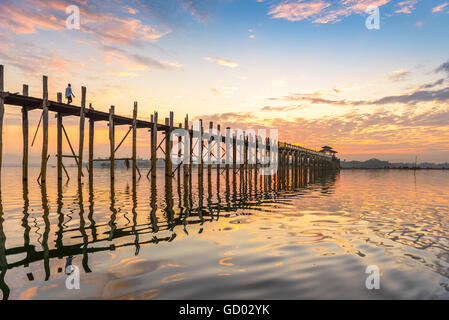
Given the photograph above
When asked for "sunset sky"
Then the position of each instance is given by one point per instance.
(308, 68)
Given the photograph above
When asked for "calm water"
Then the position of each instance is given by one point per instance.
(183, 242)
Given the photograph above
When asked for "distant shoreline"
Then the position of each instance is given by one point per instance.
(406, 168)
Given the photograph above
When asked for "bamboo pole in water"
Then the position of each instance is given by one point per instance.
(45, 131)
(25, 137)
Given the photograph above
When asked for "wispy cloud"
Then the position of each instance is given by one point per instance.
(399, 75)
(406, 6)
(97, 20)
(222, 62)
(322, 11)
(443, 68)
(440, 7)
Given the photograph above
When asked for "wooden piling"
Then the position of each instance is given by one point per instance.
(154, 146)
(188, 151)
(209, 149)
(201, 148)
(219, 142)
(44, 130)
(91, 144)
(168, 145)
(81, 134)
(234, 154)
(2, 114)
(112, 141)
(134, 156)
(25, 137)
(59, 140)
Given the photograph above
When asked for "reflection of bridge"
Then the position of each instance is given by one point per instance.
(246, 150)
(242, 192)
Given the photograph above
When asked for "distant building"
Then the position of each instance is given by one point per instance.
(328, 150)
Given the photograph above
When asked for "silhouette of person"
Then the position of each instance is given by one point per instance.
(69, 94)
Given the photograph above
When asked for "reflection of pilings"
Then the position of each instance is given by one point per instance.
(90, 216)
(46, 219)
(200, 196)
(59, 234)
(83, 230)
(153, 205)
(113, 210)
(134, 211)
(3, 262)
(25, 225)
(209, 191)
(169, 212)
(239, 201)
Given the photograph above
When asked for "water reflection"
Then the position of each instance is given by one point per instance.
(298, 215)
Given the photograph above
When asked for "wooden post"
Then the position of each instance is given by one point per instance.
(200, 143)
(168, 164)
(209, 149)
(219, 143)
(45, 130)
(187, 151)
(112, 141)
(81, 137)
(135, 141)
(228, 151)
(91, 145)
(2, 113)
(25, 137)
(234, 154)
(59, 140)
(288, 167)
(154, 146)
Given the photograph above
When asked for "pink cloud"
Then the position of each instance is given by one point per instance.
(321, 11)
(440, 7)
(299, 10)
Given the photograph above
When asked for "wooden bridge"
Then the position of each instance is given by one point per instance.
(289, 158)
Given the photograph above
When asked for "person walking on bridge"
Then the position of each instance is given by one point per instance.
(69, 94)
